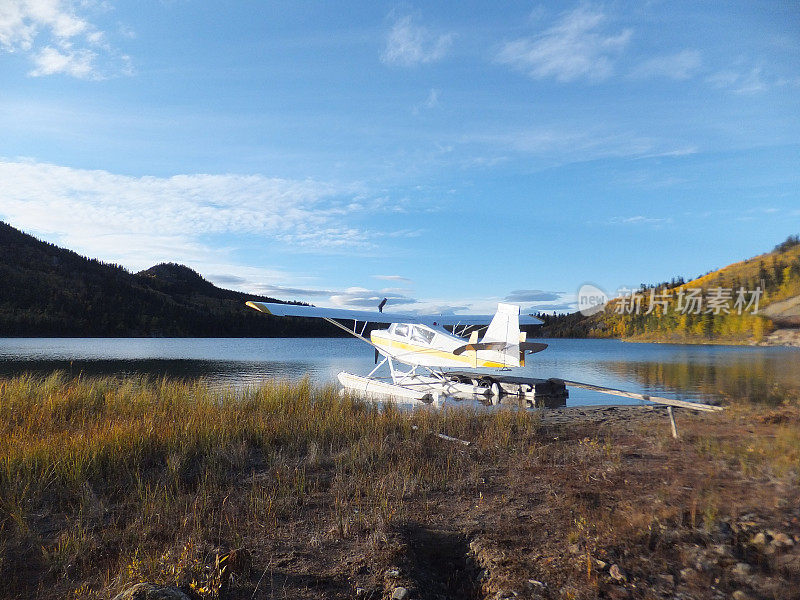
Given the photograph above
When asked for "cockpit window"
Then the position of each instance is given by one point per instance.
(418, 334)
(401, 329)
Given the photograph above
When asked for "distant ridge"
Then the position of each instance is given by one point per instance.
(48, 291)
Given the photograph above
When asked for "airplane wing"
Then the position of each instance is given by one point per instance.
(294, 310)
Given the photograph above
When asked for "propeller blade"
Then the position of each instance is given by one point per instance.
(531, 346)
(480, 346)
(376, 355)
(523, 347)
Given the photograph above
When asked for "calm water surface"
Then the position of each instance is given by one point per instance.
(675, 371)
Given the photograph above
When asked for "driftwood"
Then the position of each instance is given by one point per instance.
(447, 437)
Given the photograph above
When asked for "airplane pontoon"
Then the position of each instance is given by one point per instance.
(427, 362)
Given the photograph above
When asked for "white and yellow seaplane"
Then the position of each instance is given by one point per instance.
(432, 352)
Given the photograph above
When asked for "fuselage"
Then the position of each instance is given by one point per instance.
(416, 344)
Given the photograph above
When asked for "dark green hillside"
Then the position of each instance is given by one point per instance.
(49, 291)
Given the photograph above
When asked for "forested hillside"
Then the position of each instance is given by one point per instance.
(717, 307)
(49, 291)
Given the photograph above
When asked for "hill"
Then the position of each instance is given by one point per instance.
(51, 291)
(717, 318)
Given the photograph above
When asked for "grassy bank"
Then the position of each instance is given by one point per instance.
(291, 491)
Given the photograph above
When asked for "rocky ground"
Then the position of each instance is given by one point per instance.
(783, 337)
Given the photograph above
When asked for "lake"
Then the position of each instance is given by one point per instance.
(675, 371)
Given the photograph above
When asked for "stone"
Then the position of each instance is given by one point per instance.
(741, 570)
(600, 564)
(617, 573)
(759, 539)
(781, 539)
(151, 591)
(400, 593)
(393, 573)
(667, 579)
(721, 550)
(789, 565)
(740, 595)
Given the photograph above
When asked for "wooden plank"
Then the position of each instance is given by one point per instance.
(635, 396)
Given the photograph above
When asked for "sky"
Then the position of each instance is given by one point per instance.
(445, 155)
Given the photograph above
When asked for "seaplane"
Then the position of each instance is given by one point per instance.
(426, 354)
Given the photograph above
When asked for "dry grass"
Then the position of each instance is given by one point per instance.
(117, 480)
(107, 482)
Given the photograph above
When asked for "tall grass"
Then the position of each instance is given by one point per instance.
(141, 462)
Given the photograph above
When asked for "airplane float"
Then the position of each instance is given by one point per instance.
(433, 354)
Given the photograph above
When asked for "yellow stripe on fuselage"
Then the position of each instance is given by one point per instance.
(468, 360)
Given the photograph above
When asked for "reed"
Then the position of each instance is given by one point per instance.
(147, 459)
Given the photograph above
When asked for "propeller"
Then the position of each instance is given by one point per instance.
(523, 347)
(531, 346)
(480, 346)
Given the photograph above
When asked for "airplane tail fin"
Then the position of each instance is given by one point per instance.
(505, 328)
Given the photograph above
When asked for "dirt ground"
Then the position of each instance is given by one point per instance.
(317, 498)
(606, 505)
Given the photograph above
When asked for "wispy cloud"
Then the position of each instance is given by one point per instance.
(358, 297)
(409, 44)
(564, 144)
(575, 47)
(681, 65)
(398, 278)
(137, 221)
(532, 296)
(59, 39)
(552, 307)
(751, 81)
(283, 292)
(640, 220)
(432, 101)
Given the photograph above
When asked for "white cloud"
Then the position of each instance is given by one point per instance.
(398, 278)
(58, 39)
(409, 44)
(532, 296)
(139, 221)
(748, 82)
(639, 220)
(575, 47)
(78, 64)
(283, 292)
(358, 297)
(681, 65)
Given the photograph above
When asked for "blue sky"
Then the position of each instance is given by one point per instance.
(445, 155)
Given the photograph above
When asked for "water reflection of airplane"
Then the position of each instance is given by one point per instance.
(422, 343)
